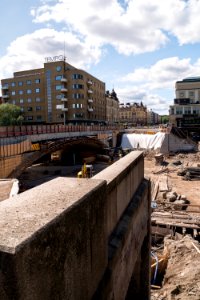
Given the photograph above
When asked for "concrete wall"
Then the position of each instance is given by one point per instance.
(78, 238)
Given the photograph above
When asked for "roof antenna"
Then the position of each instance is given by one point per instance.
(64, 52)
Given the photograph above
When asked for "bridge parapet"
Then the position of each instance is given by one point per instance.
(14, 131)
(61, 239)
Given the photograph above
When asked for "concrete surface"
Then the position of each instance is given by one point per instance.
(78, 238)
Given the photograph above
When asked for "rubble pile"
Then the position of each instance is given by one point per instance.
(175, 224)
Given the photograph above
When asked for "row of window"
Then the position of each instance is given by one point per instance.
(29, 82)
(20, 83)
(21, 92)
(190, 93)
(30, 118)
(29, 108)
(186, 111)
(29, 100)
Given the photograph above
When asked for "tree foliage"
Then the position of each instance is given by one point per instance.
(164, 119)
(10, 115)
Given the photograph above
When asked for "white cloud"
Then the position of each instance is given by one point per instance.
(29, 51)
(148, 84)
(137, 94)
(164, 73)
(140, 26)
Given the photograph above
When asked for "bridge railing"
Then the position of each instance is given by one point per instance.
(13, 131)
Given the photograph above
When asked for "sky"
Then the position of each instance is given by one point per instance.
(138, 47)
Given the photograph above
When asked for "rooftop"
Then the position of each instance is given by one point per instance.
(191, 79)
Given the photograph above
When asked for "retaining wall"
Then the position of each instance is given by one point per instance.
(78, 238)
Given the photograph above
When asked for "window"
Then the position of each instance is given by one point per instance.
(28, 91)
(58, 87)
(38, 108)
(58, 97)
(39, 118)
(21, 101)
(37, 80)
(13, 93)
(77, 105)
(182, 94)
(78, 115)
(179, 111)
(20, 83)
(29, 108)
(58, 77)
(13, 84)
(37, 90)
(29, 100)
(22, 109)
(21, 92)
(191, 94)
(77, 76)
(37, 99)
(14, 102)
(77, 86)
(28, 82)
(58, 68)
(29, 118)
(77, 96)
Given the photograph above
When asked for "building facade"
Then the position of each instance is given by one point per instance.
(153, 118)
(56, 93)
(112, 107)
(133, 114)
(185, 112)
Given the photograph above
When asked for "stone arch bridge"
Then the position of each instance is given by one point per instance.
(49, 147)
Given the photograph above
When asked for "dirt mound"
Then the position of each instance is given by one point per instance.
(182, 277)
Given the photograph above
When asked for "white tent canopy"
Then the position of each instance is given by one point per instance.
(163, 142)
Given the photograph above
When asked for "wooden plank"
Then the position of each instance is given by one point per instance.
(158, 222)
(163, 183)
(155, 190)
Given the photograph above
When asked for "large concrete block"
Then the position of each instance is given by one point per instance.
(53, 241)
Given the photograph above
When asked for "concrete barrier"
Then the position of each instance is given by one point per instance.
(78, 238)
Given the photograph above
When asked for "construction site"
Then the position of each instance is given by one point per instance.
(172, 163)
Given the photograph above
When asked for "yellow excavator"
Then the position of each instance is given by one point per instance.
(86, 171)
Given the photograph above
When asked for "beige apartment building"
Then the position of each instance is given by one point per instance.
(185, 112)
(133, 114)
(56, 93)
(112, 107)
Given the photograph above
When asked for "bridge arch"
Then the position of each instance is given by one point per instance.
(65, 145)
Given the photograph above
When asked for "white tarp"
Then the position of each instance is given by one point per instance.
(162, 141)
(142, 141)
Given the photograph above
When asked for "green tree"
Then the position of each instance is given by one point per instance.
(164, 119)
(10, 115)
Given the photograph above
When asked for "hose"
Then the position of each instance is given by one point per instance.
(156, 269)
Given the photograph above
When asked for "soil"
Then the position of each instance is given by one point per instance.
(182, 277)
(191, 189)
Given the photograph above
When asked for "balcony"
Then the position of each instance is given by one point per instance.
(64, 109)
(90, 100)
(182, 101)
(90, 92)
(64, 90)
(89, 82)
(90, 109)
(63, 79)
(63, 99)
(5, 96)
(5, 87)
